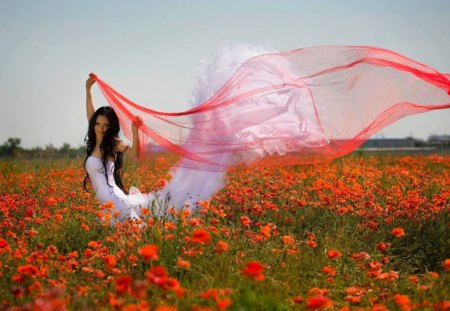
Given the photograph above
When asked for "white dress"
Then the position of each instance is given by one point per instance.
(128, 206)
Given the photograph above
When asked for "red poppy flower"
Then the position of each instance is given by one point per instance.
(398, 232)
(200, 236)
(110, 261)
(51, 202)
(254, 270)
(107, 205)
(3, 243)
(245, 221)
(123, 284)
(382, 246)
(221, 247)
(288, 239)
(223, 304)
(311, 243)
(156, 275)
(27, 269)
(297, 299)
(329, 270)
(446, 264)
(332, 253)
(444, 304)
(402, 301)
(184, 264)
(149, 252)
(379, 307)
(318, 303)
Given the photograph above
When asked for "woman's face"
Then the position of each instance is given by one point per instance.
(101, 126)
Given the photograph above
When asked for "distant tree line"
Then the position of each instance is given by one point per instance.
(12, 149)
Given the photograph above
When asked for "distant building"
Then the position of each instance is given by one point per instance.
(439, 140)
(407, 142)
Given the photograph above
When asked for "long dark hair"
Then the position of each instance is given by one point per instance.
(107, 147)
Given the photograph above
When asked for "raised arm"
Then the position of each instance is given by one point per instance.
(135, 129)
(89, 102)
(134, 149)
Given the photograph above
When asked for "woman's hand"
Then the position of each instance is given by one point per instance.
(89, 82)
(137, 123)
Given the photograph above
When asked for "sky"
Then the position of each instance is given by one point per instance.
(151, 52)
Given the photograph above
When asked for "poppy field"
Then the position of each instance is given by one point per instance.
(363, 232)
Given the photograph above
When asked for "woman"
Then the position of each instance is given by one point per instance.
(104, 160)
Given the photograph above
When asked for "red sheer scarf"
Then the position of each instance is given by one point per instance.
(301, 106)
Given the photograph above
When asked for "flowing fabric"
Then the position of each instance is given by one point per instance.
(319, 103)
(284, 108)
